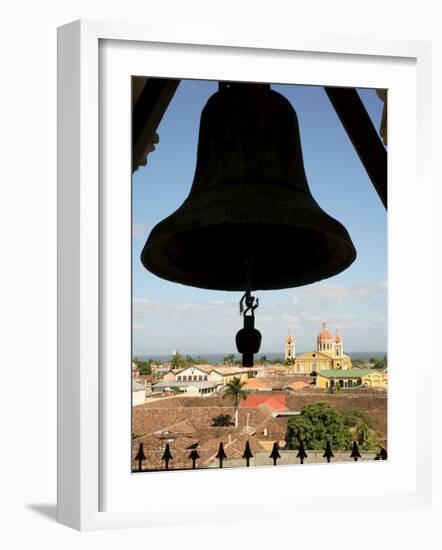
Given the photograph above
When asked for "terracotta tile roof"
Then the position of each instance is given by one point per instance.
(256, 384)
(298, 386)
(194, 426)
(184, 427)
(272, 402)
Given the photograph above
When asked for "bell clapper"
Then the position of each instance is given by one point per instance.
(248, 339)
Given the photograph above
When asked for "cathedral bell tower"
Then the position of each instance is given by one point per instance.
(289, 350)
(338, 346)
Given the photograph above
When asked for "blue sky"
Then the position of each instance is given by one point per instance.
(168, 316)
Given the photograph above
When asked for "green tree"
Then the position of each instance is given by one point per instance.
(145, 367)
(178, 361)
(379, 364)
(229, 359)
(362, 428)
(263, 360)
(234, 391)
(317, 424)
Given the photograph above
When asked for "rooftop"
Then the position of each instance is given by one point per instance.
(270, 401)
(340, 373)
(297, 386)
(256, 384)
(178, 384)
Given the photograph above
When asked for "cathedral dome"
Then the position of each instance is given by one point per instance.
(324, 335)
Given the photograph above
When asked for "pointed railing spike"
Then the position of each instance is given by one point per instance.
(221, 454)
(301, 452)
(275, 453)
(140, 457)
(247, 454)
(328, 453)
(355, 454)
(194, 457)
(167, 456)
(382, 454)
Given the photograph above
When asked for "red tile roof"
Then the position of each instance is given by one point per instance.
(270, 401)
(298, 385)
(256, 384)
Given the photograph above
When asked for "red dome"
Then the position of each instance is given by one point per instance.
(338, 339)
(289, 339)
(324, 334)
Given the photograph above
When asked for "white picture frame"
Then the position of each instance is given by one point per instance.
(83, 388)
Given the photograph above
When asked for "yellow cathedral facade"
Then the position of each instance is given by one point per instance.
(329, 354)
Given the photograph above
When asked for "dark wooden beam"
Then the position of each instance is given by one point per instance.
(363, 135)
(148, 109)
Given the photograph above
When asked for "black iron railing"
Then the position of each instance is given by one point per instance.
(221, 456)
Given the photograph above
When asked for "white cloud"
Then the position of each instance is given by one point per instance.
(322, 294)
(198, 327)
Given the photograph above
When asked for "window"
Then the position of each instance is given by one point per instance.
(205, 377)
(178, 378)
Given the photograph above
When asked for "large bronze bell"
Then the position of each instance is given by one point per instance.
(250, 221)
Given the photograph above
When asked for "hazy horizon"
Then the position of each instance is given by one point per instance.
(271, 355)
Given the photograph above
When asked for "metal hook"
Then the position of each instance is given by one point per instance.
(251, 303)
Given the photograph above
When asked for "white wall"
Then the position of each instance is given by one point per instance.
(28, 226)
(138, 397)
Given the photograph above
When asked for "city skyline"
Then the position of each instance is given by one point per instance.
(169, 316)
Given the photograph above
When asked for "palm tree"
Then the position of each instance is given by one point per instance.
(263, 360)
(229, 359)
(234, 390)
(176, 361)
(362, 429)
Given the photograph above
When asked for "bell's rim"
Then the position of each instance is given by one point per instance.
(155, 258)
